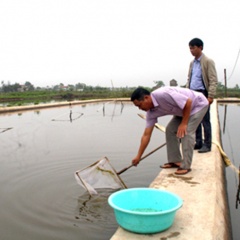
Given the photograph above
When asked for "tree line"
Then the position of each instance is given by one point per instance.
(82, 87)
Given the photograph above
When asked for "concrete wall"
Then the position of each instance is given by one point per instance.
(57, 104)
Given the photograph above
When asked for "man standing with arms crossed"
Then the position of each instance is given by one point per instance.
(202, 77)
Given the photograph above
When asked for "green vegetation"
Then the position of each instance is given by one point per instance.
(222, 91)
(17, 95)
(44, 96)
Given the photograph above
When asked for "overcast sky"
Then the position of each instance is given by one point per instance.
(124, 42)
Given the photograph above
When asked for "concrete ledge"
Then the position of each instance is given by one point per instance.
(205, 212)
(228, 100)
(57, 104)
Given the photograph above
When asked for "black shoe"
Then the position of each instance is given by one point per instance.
(197, 146)
(204, 149)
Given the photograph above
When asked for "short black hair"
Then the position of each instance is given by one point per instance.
(196, 42)
(139, 93)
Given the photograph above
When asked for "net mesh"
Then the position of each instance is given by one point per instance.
(100, 174)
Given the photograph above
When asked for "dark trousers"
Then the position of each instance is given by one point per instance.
(207, 128)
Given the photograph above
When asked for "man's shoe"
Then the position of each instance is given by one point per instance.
(204, 149)
(197, 146)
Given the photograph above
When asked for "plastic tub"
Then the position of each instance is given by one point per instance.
(145, 210)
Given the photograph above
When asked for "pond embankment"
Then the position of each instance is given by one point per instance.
(205, 211)
(56, 104)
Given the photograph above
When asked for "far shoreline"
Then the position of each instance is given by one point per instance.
(56, 104)
(78, 102)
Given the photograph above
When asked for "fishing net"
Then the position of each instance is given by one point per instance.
(69, 116)
(100, 174)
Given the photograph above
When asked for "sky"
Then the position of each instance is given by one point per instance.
(115, 43)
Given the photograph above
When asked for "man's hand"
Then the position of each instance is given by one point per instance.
(144, 143)
(182, 130)
(136, 161)
(210, 100)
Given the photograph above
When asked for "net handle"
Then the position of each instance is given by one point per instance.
(148, 154)
(159, 127)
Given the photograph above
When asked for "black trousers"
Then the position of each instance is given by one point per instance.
(207, 128)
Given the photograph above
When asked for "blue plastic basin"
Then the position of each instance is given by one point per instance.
(145, 210)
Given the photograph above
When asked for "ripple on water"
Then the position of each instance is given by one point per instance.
(40, 198)
(43, 200)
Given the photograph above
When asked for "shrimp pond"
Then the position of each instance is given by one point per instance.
(41, 150)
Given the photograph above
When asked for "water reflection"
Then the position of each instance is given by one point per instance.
(111, 108)
(232, 149)
(2, 130)
(95, 211)
(225, 117)
(238, 191)
(112, 112)
(68, 117)
(229, 115)
(94, 208)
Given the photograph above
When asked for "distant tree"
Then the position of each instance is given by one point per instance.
(80, 86)
(159, 84)
(70, 87)
(55, 87)
(2, 82)
(15, 87)
(236, 87)
(11, 87)
(29, 86)
(220, 86)
(38, 88)
(88, 88)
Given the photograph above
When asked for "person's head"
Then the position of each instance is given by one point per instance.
(142, 99)
(196, 47)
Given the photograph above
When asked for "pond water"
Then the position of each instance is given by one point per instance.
(41, 150)
(229, 115)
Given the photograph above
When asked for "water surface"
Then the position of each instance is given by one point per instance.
(229, 115)
(41, 150)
